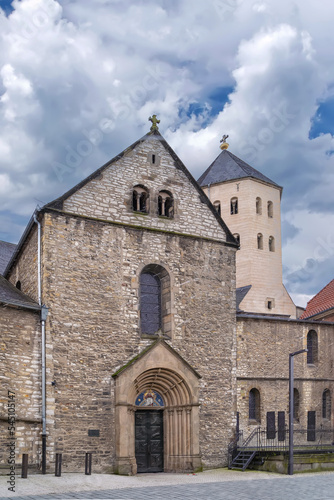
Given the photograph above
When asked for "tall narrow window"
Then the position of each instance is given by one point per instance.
(234, 206)
(254, 405)
(260, 241)
(326, 404)
(165, 204)
(271, 243)
(150, 303)
(270, 209)
(155, 301)
(217, 206)
(312, 347)
(296, 404)
(140, 199)
(311, 426)
(258, 205)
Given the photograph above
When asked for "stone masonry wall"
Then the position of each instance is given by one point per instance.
(21, 375)
(109, 196)
(26, 268)
(263, 363)
(91, 273)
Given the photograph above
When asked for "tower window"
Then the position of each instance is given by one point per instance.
(237, 237)
(234, 206)
(217, 206)
(18, 285)
(165, 204)
(140, 199)
(270, 303)
(260, 241)
(271, 243)
(270, 209)
(153, 159)
(258, 206)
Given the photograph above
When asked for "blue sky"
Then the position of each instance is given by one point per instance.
(79, 78)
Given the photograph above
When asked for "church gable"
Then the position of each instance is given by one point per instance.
(146, 186)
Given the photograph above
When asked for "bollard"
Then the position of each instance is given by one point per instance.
(58, 464)
(88, 464)
(24, 472)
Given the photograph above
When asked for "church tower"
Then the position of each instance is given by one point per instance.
(250, 204)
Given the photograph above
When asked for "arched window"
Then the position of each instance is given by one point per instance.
(237, 237)
(217, 206)
(258, 205)
(270, 209)
(234, 206)
(312, 347)
(326, 404)
(155, 300)
(254, 405)
(296, 404)
(18, 285)
(165, 204)
(271, 243)
(260, 241)
(140, 199)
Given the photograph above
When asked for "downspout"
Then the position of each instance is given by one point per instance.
(44, 313)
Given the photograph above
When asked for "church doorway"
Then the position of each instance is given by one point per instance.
(149, 449)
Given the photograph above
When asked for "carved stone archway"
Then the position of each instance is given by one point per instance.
(159, 369)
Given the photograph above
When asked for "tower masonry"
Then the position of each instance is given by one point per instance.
(250, 204)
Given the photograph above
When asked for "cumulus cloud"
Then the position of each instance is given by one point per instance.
(78, 80)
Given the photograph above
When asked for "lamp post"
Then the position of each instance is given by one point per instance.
(291, 395)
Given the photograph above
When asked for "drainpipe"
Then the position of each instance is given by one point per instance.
(44, 313)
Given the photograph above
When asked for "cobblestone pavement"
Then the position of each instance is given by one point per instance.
(319, 486)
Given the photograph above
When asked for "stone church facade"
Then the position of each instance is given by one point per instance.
(147, 364)
(97, 244)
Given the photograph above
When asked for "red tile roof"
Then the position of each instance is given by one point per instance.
(323, 301)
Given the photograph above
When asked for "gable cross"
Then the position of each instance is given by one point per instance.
(154, 121)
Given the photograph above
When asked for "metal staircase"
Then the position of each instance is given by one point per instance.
(242, 460)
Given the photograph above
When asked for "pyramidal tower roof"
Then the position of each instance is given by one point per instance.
(228, 167)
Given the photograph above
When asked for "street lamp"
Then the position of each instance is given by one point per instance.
(291, 395)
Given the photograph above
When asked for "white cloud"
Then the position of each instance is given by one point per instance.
(78, 80)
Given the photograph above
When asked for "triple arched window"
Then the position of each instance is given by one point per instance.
(155, 300)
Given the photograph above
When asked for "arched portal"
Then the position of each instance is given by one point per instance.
(160, 373)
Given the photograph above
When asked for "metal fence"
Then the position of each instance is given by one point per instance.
(264, 440)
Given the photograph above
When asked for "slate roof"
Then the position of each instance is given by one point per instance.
(227, 167)
(10, 295)
(323, 301)
(6, 252)
(241, 293)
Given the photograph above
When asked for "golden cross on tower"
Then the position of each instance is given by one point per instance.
(224, 144)
(154, 121)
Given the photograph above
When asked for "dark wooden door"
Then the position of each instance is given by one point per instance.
(149, 440)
